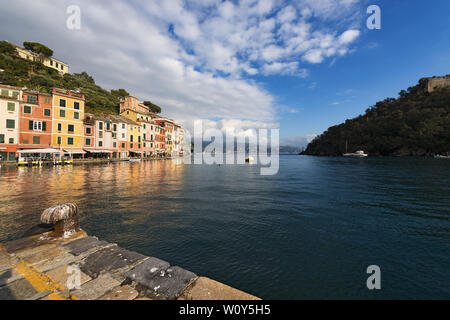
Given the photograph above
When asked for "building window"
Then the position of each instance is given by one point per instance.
(131, 146)
(11, 106)
(36, 140)
(70, 141)
(47, 100)
(62, 67)
(131, 138)
(108, 126)
(139, 146)
(47, 112)
(88, 131)
(76, 115)
(2, 138)
(5, 93)
(60, 127)
(62, 113)
(11, 140)
(123, 125)
(144, 125)
(15, 95)
(10, 124)
(36, 125)
(59, 141)
(25, 142)
(114, 144)
(123, 145)
(88, 142)
(100, 143)
(139, 138)
(114, 127)
(76, 105)
(31, 99)
(62, 103)
(51, 63)
(100, 125)
(100, 134)
(71, 128)
(57, 65)
(27, 109)
(123, 135)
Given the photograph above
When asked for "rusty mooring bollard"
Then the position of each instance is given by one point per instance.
(65, 218)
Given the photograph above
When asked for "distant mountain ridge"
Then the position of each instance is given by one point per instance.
(417, 123)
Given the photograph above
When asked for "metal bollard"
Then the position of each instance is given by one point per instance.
(64, 217)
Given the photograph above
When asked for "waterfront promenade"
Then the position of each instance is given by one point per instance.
(59, 261)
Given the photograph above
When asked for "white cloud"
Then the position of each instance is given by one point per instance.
(194, 58)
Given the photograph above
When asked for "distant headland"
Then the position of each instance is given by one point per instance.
(417, 123)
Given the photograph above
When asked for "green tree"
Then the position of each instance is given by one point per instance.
(38, 48)
(7, 48)
(153, 107)
(122, 93)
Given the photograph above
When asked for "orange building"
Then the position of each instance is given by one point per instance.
(35, 121)
(160, 137)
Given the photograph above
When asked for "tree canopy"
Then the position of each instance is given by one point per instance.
(153, 107)
(38, 48)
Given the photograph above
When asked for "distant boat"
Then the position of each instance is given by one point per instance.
(135, 160)
(250, 160)
(357, 154)
(438, 156)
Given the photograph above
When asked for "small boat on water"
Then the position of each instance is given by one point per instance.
(357, 154)
(439, 156)
(135, 160)
(250, 160)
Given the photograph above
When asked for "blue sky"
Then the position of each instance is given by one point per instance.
(300, 65)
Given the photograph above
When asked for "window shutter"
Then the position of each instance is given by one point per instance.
(30, 125)
(44, 126)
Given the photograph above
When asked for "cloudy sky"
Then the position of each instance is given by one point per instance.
(300, 66)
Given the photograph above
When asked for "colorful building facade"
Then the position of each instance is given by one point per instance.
(10, 98)
(67, 121)
(35, 124)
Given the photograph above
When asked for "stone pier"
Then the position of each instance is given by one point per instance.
(64, 263)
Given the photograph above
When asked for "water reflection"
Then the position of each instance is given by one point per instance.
(140, 189)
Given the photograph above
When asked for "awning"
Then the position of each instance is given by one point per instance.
(98, 150)
(74, 151)
(39, 151)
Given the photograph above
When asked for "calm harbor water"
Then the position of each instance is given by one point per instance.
(309, 232)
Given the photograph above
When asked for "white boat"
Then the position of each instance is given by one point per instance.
(135, 160)
(357, 154)
(439, 156)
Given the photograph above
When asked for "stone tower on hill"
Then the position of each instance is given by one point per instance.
(431, 84)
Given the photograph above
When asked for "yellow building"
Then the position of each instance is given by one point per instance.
(67, 121)
(135, 142)
(50, 62)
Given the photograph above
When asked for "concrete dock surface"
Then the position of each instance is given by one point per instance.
(62, 265)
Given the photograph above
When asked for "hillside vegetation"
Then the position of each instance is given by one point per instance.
(36, 76)
(416, 123)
